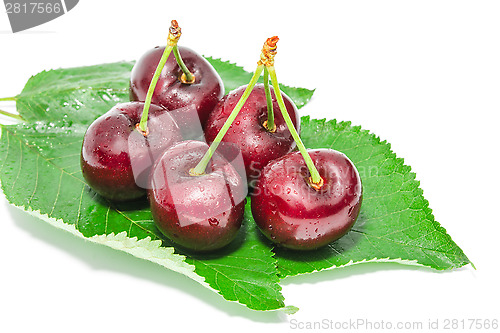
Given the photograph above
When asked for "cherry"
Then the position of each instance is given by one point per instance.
(305, 200)
(295, 213)
(116, 156)
(171, 92)
(200, 212)
(249, 131)
(120, 147)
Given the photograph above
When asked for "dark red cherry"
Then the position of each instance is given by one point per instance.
(170, 92)
(203, 212)
(293, 214)
(116, 158)
(258, 145)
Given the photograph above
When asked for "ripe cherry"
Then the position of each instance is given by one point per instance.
(295, 213)
(200, 212)
(171, 92)
(116, 157)
(249, 132)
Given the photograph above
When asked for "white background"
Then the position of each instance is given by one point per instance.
(423, 75)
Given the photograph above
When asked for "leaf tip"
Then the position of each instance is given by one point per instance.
(290, 309)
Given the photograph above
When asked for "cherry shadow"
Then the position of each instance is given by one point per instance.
(334, 249)
(212, 255)
(342, 245)
(138, 204)
(331, 250)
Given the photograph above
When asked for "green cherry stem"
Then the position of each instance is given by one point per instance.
(173, 37)
(187, 77)
(270, 126)
(11, 115)
(315, 177)
(147, 102)
(8, 99)
(202, 165)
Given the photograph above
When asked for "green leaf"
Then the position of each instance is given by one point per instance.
(395, 221)
(40, 173)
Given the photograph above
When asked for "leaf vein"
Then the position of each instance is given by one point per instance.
(4, 161)
(20, 165)
(57, 194)
(36, 180)
(79, 209)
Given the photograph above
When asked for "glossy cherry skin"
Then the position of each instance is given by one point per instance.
(258, 145)
(201, 213)
(116, 158)
(293, 214)
(170, 92)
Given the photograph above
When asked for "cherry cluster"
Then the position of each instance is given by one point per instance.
(197, 181)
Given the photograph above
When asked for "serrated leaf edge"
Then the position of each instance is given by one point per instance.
(365, 261)
(347, 125)
(147, 249)
(233, 63)
(405, 262)
(313, 90)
